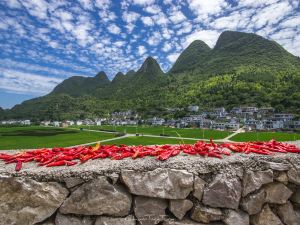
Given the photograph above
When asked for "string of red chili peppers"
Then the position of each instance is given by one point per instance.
(72, 156)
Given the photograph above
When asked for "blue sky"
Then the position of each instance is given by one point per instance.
(44, 42)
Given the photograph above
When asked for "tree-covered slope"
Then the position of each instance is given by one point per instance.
(235, 49)
(194, 54)
(241, 69)
(78, 86)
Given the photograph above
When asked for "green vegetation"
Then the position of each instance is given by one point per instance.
(242, 69)
(148, 141)
(265, 136)
(40, 137)
(158, 130)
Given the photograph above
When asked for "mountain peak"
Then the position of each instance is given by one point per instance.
(191, 56)
(130, 73)
(102, 76)
(118, 77)
(150, 66)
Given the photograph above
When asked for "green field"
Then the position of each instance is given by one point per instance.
(175, 132)
(265, 136)
(148, 141)
(38, 137)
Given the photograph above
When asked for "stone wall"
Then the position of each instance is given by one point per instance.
(266, 195)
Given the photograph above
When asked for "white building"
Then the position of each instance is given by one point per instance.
(283, 117)
(25, 122)
(98, 122)
(56, 123)
(70, 122)
(79, 122)
(232, 125)
(45, 123)
(193, 108)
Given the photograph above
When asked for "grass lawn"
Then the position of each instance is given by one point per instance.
(148, 141)
(39, 137)
(266, 136)
(175, 132)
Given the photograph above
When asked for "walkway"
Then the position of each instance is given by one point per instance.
(148, 135)
(233, 134)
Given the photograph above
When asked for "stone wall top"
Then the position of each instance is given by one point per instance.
(235, 164)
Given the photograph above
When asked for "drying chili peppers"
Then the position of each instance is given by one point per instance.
(75, 155)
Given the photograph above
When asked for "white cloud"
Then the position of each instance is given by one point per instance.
(173, 57)
(177, 17)
(167, 47)
(208, 36)
(291, 22)
(141, 50)
(154, 39)
(129, 27)
(130, 17)
(37, 69)
(153, 9)
(103, 4)
(166, 33)
(114, 29)
(160, 19)
(13, 4)
(186, 27)
(38, 8)
(143, 2)
(120, 43)
(20, 82)
(81, 32)
(86, 4)
(204, 8)
(271, 14)
(255, 3)
(147, 21)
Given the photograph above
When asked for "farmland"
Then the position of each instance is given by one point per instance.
(158, 130)
(149, 141)
(38, 137)
(266, 136)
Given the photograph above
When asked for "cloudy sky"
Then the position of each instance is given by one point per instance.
(43, 42)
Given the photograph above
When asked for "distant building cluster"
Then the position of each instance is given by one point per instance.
(15, 122)
(250, 118)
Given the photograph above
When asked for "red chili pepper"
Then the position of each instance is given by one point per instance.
(66, 156)
(19, 166)
(58, 163)
(70, 163)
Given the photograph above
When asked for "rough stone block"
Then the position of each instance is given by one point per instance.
(159, 183)
(149, 211)
(234, 217)
(277, 193)
(180, 207)
(253, 203)
(98, 197)
(26, 201)
(206, 214)
(253, 181)
(223, 192)
(266, 217)
(103, 220)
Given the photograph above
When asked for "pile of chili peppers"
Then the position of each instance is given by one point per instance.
(72, 156)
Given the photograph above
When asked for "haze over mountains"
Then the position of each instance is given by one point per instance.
(241, 69)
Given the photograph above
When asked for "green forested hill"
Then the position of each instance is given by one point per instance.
(241, 69)
(193, 55)
(78, 86)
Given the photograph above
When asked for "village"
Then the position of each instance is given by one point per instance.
(248, 117)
